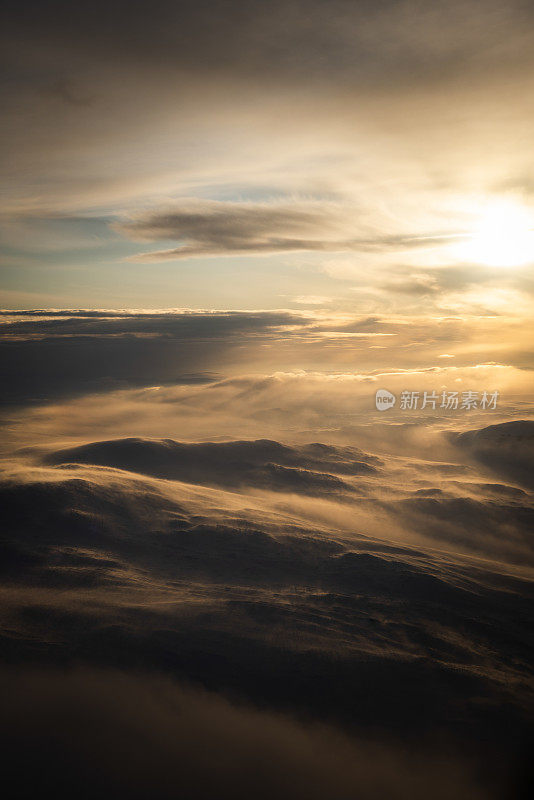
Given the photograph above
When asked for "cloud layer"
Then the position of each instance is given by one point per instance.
(151, 736)
(329, 574)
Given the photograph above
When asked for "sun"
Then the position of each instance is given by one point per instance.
(502, 237)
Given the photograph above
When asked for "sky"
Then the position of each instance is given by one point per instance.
(349, 155)
(228, 228)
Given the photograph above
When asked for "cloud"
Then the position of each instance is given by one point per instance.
(210, 228)
(293, 41)
(279, 375)
(145, 735)
(49, 355)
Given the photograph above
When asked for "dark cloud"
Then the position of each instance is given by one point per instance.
(188, 324)
(215, 228)
(296, 38)
(80, 352)
(89, 733)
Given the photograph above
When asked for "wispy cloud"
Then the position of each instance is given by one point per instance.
(212, 228)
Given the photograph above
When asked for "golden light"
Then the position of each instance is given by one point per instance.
(503, 236)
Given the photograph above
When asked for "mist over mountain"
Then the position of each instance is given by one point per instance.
(332, 613)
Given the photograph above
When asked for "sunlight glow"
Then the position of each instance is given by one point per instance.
(503, 237)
